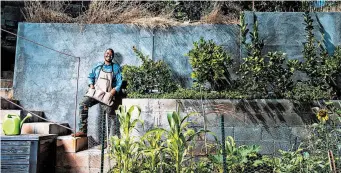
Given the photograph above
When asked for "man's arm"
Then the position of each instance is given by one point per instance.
(118, 78)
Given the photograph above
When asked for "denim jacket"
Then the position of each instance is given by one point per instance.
(117, 76)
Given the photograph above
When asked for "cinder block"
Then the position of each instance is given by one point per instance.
(72, 144)
(276, 133)
(229, 131)
(44, 128)
(247, 133)
(95, 160)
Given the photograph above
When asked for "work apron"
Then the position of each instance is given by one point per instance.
(103, 86)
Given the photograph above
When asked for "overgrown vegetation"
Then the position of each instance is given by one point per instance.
(150, 77)
(321, 66)
(210, 64)
(260, 76)
(170, 149)
(263, 75)
(318, 150)
(158, 14)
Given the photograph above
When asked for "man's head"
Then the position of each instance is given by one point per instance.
(109, 55)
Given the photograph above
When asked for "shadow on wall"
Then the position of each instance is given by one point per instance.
(117, 58)
(326, 38)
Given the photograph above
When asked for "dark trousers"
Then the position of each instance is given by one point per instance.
(84, 108)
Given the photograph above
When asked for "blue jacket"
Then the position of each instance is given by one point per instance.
(117, 76)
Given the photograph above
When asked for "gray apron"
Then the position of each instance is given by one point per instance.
(103, 86)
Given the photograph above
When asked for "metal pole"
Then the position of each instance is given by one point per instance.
(223, 142)
(75, 123)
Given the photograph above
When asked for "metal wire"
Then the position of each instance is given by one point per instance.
(37, 115)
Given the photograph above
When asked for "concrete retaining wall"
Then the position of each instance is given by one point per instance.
(272, 124)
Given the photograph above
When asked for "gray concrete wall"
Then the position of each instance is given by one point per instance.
(272, 124)
(46, 81)
(286, 31)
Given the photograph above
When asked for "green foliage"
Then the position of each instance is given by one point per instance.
(152, 147)
(294, 161)
(305, 92)
(149, 76)
(237, 158)
(178, 138)
(262, 75)
(125, 150)
(321, 67)
(192, 94)
(210, 64)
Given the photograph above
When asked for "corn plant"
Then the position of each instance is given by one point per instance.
(152, 147)
(125, 150)
(178, 139)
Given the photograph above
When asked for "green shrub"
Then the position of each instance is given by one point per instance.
(263, 75)
(210, 64)
(192, 94)
(322, 68)
(150, 76)
(306, 92)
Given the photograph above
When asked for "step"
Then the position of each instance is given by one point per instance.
(71, 144)
(86, 161)
(34, 118)
(7, 93)
(6, 83)
(3, 114)
(44, 128)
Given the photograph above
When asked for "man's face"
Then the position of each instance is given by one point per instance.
(108, 55)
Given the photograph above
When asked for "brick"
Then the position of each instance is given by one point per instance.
(44, 128)
(247, 133)
(71, 144)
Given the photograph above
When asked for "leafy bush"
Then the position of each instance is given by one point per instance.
(192, 94)
(149, 76)
(210, 64)
(237, 158)
(263, 75)
(305, 92)
(321, 67)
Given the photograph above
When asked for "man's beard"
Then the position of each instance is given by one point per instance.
(107, 59)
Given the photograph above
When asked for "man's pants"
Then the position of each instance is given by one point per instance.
(84, 108)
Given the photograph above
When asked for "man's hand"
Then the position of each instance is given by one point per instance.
(92, 86)
(113, 91)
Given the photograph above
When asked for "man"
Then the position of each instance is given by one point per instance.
(104, 76)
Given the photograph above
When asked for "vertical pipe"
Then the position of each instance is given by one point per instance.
(223, 143)
(103, 134)
(75, 123)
